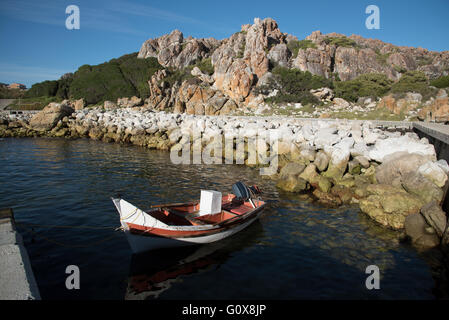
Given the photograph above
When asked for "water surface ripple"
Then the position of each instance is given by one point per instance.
(297, 250)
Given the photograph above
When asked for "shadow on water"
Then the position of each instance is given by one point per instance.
(298, 250)
(156, 271)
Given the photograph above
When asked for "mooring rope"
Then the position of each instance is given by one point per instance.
(60, 226)
(29, 228)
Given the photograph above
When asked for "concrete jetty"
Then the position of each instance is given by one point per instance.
(17, 280)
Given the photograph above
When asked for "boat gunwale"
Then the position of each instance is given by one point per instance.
(207, 229)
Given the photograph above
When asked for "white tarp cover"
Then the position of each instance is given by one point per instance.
(210, 202)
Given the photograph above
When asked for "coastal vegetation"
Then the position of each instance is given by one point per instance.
(126, 76)
(341, 42)
(295, 45)
(241, 50)
(36, 103)
(293, 85)
(441, 82)
(367, 85)
(205, 65)
(6, 93)
(382, 58)
(47, 88)
(179, 75)
(102, 82)
(413, 81)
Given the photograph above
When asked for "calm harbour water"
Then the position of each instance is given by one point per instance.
(297, 250)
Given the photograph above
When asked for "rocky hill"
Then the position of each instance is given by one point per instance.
(243, 62)
(259, 70)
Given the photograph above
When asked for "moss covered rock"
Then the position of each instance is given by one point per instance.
(292, 184)
(389, 205)
(327, 199)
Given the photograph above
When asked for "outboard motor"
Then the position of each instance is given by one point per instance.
(255, 190)
(242, 192)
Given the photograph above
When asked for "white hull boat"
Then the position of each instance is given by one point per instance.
(174, 225)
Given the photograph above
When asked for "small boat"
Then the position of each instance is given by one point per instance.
(211, 219)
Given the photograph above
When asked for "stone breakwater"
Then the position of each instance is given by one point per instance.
(394, 177)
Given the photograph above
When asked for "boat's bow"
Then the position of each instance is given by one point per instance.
(130, 214)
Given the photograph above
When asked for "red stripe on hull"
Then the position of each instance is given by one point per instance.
(150, 231)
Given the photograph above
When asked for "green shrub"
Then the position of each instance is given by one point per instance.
(441, 82)
(205, 66)
(138, 72)
(180, 75)
(241, 50)
(367, 85)
(413, 81)
(423, 60)
(6, 93)
(101, 82)
(293, 85)
(42, 89)
(64, 86)
(341, 42)
(382, 58)
(177, 76)
(122, 77)
(295, 45)
(399, 69)
(304, 97)
(294, 80)
(37, 103)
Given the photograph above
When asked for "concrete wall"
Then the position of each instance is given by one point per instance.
(438, 135)
(17, 280)
(4, 103)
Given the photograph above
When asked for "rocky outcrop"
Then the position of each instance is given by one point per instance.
(243, 58)
(436, 110)
(192, 96)
(49, 116)
(80, 104)
(387, 147)
(173, 50)
(389, 206)
(435, 217)
(365, 56)
(243, 61)
(129, 102)
(398, 164)
(316, 61)
(325, 94)
(423, 188)
(397, 106)
(353, 62)
(200, 75)
(420, 233)
(429, 227)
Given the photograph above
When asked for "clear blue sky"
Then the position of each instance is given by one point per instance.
(36, 45)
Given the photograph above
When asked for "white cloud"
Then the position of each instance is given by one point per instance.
(150, 12)
(110, 16)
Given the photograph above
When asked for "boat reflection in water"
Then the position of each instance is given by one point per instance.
(153, 272)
